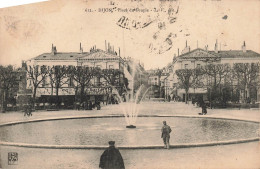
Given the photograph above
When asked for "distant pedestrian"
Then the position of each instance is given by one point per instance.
(111, 158)
(204, 108)
(90, 105)
(27, 110)
(166, 130)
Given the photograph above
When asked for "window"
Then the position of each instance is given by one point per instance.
(185, 66)
(198, 65)
(99, 66)
(70, 82)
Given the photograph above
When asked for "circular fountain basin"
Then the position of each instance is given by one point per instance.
(98, 131)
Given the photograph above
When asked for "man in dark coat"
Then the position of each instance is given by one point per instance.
(166, 130)
(111, 158)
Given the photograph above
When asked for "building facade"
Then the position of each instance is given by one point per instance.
(192, 59)
(99, 88)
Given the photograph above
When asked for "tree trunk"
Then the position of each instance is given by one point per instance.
(4, 105)
(34, 95)
(82, 93)
(186, 96)
(57, 96)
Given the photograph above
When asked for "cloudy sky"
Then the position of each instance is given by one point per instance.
(149, 30)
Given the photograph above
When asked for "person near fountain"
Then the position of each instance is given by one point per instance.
(166, 130)
(111, 158)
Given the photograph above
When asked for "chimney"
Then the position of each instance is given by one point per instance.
(80, 48)
(186, 49)
(53, 50)
(216, 46)
(244, 47)
(206, 47)
(105, 45)
(119, 51)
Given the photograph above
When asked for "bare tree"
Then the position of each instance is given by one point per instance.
(36, 74)
(216, 74)
(57, 76)
(188, 78)
(82, 75)
(112, 76)
(247, 76)
(8, 79)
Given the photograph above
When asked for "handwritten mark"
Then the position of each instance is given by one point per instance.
(128, 23)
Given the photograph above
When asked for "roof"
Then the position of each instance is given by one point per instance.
(75, 55)
(100, 54)
(201, 53)
(237, 54)
(60, 56)
(198, 53)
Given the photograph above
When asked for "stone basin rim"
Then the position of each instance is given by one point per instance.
(189, 145)
(119, 116)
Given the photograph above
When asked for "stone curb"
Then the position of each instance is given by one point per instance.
(95, 147)
(123, 147)
(117, 116)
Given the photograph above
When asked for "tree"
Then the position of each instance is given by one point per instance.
(112, 76)
(216, 75)
(247, 76)
(57, 76)
(188, 78)
(82, 75)
(159, 73)
(36, 74)
(8, 79)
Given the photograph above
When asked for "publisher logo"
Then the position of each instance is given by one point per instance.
(12, 158)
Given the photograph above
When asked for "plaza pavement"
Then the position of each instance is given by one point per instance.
(146, 108)
(245, 155)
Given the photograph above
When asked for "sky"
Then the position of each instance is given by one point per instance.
(152, 33)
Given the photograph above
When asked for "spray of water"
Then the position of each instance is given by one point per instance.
(129, 108)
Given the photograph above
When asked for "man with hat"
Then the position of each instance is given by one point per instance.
(111, 158)
(166, 130)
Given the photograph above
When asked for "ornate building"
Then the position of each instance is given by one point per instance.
(191, 59)
(98, 87)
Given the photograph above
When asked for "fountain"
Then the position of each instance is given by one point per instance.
(130, 107)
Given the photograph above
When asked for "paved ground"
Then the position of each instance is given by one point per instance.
(244, 155)
(146, 108)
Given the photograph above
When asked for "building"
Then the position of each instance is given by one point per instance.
(191, 59)
(158, 82)
(99, 88)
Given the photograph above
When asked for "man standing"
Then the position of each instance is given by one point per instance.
(111, 158)
(166, 130)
